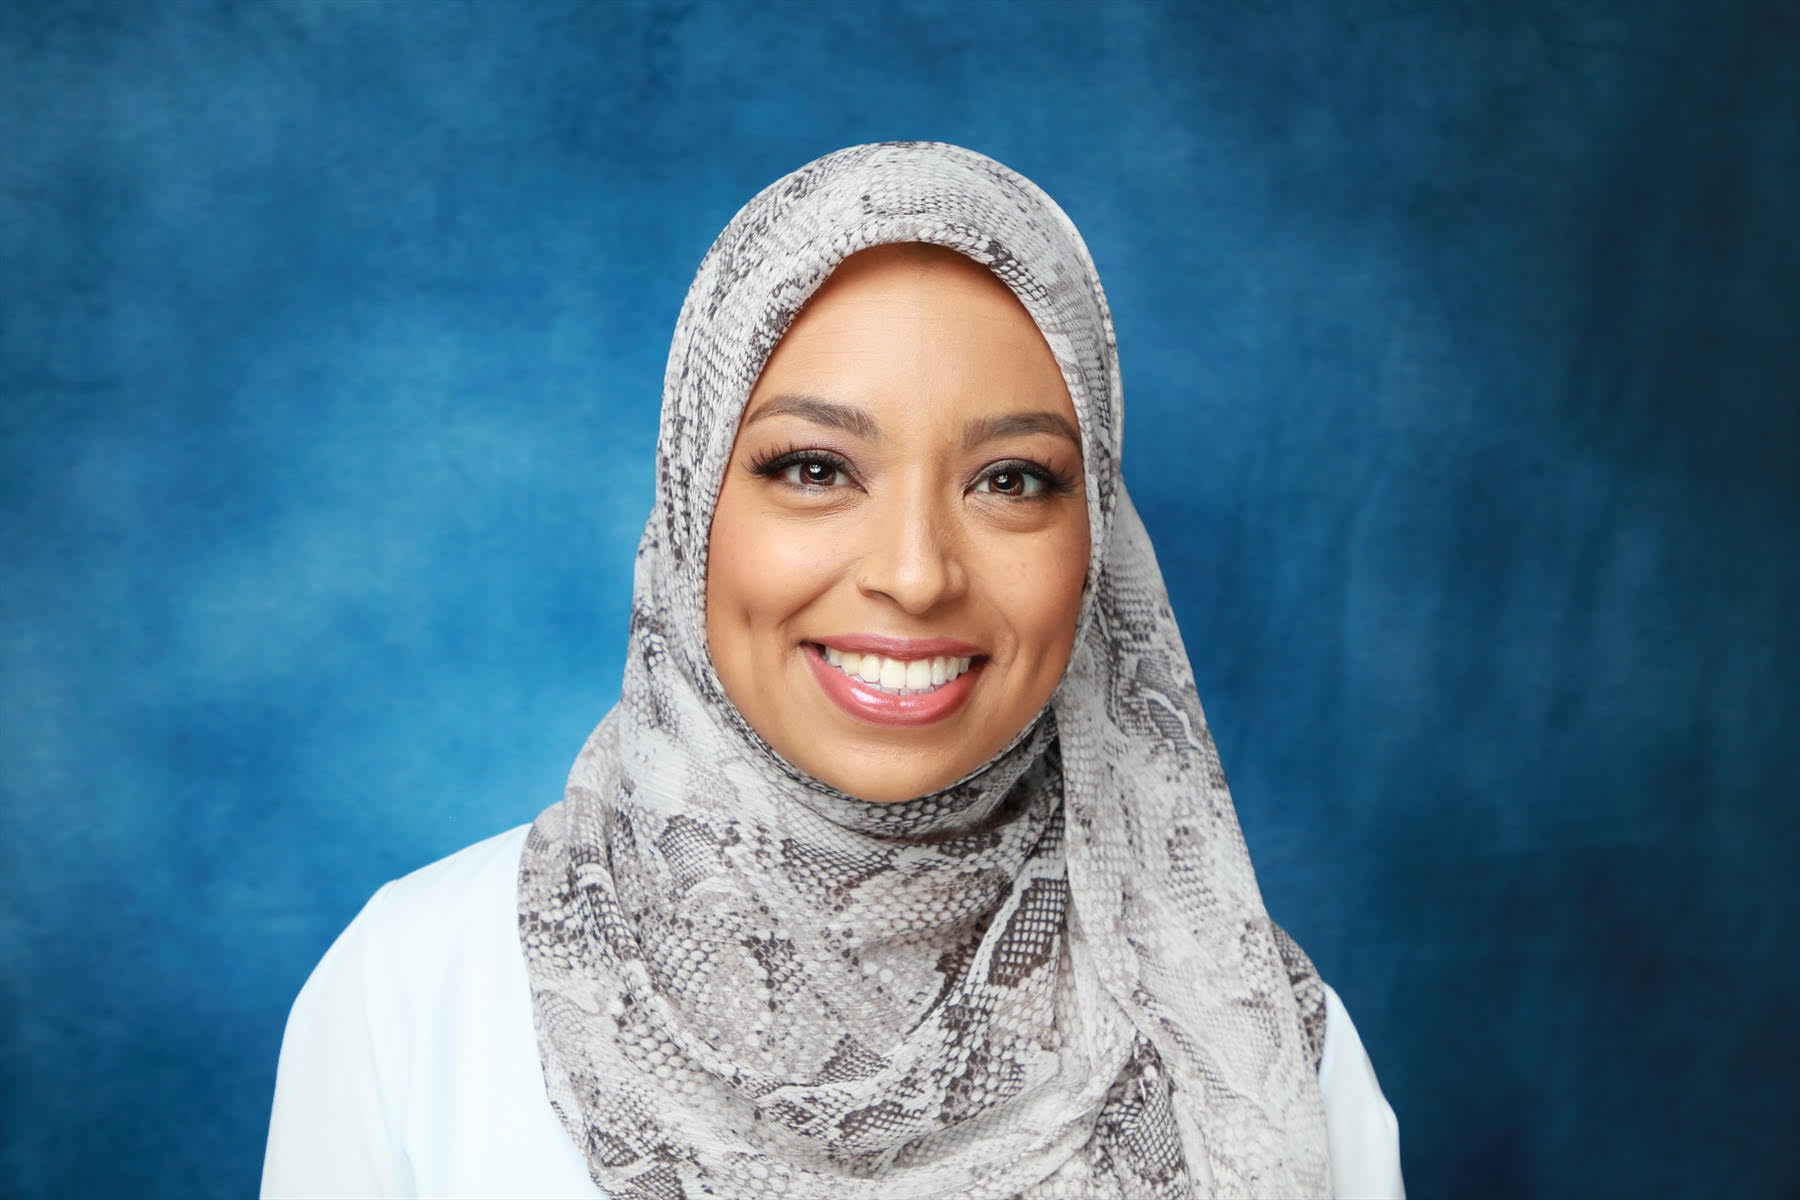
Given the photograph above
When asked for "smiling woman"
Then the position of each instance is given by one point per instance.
(904, 866)
(896, 559)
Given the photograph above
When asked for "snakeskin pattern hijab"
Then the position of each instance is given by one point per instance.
(1054, 978)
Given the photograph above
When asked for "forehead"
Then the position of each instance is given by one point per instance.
(909, 324)
(918, 262)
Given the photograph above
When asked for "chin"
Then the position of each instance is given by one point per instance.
(879, 777)
(880, 787)
(880, 795)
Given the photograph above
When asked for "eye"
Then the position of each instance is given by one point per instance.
(807, 470)
(812, 472)
(1013, 479)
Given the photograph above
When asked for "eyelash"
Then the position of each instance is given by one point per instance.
(770, 464)
(1052, 483)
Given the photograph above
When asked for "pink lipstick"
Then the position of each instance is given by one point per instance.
(895, 681)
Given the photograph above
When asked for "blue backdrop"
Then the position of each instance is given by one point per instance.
(1461, 347)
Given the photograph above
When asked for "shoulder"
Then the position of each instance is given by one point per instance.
(439, 896)
(436, 946)
(438, 949)
(1360, 1125)
(421, 927)
(410, 1062)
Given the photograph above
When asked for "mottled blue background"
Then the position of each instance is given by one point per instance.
(1461, 346)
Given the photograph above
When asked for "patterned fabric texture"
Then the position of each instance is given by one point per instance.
(1054, 978)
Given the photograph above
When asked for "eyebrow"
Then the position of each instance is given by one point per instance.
(987, 429)
(855, 421)
(820, 412)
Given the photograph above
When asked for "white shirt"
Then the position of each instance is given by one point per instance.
(410, 1064)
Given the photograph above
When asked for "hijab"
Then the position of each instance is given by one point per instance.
(1054, 978)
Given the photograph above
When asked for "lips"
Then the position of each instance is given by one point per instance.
(894, 681)
(900, 675)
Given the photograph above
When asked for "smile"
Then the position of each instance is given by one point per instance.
(895, 676)
(907, 686)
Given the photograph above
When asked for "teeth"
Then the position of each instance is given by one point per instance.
(897, 675)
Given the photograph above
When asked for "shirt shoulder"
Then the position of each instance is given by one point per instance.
(438, 901)
(1360, 1126)
(410, 1062)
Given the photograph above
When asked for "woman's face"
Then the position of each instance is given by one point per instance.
(895, 564)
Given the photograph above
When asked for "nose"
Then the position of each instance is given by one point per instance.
(913, 553)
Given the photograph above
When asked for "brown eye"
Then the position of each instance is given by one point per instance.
(1014, 482)
(811, 472)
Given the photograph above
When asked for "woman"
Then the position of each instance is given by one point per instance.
(904, 866)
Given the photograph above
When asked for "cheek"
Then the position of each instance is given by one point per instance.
(759, 573)
(1040, 594)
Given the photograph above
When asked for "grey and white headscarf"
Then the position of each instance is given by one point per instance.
(1054, 978)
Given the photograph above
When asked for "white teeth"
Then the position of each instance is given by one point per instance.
(905, 676)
